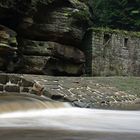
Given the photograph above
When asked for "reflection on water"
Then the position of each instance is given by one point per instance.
(70, 124)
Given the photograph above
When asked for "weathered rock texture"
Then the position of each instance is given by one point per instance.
(50, 29)
(51, 58)
(8, 46)
(111, 52)
(42, 48)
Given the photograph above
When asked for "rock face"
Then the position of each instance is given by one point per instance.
(42, 48)
(8, 47)
(7, 38)
(49, 34)
(58, 27)
(49, 66)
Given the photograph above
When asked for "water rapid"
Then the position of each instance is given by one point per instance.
(69, 123)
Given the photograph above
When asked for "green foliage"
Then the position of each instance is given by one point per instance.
(116, 31)
(84, 1)
(123, 14)
(81, 16)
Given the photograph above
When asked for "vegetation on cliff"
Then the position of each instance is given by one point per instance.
(115, 31)
(122, 14)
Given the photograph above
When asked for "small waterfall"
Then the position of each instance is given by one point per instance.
(26, 102)
(74, 119)
(29, 117)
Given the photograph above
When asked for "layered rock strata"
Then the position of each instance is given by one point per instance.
(49, 35)
(40, 57)
(8, 48)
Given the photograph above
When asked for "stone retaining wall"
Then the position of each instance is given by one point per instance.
(13, 83)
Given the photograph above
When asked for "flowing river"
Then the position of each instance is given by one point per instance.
(29, 118)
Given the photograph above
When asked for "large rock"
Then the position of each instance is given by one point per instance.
(57, 28)
(63, 23)
(32, 64)
(7, 38)
(41, 48)
(49, 66)
(54, 20)
(8, 48)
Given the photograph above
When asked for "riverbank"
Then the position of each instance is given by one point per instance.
(87, 92)
(130, 85)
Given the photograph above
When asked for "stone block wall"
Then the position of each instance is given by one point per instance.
(114, 53)
(12, 83)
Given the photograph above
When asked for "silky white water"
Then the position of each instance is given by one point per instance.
(75, 119)
(67, 123)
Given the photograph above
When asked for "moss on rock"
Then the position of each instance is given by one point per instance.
(115, 31)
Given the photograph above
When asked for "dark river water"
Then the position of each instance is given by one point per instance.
(66, 123)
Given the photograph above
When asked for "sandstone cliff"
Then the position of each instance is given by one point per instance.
(49, 35)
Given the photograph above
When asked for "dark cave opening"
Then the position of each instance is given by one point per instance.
(11, 22)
